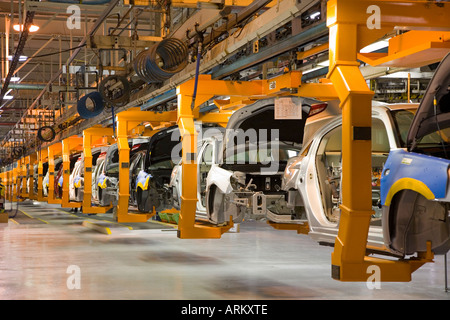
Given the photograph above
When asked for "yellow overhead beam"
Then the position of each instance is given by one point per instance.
(412, 49)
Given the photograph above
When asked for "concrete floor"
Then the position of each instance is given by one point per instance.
(148, 261)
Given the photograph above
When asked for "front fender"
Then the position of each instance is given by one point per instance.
(219, 177)
(423, 174)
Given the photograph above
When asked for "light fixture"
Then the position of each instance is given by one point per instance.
(32, 28)
(7, 97)
(375, 46)
(314, 15)
(21, 58)
(312, 69)
(318, 66)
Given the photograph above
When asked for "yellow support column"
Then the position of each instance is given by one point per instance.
(68, 144)
(15, 181)
(187, 228)
(25, 174)
(30, 183)
(42, 155)
(53, 150)
(88, 136)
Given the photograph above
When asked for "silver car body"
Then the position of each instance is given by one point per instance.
(302, 179)
(207, 158)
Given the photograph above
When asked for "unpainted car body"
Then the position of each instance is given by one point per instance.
(313, 178)
(151, 170)
(244, 177)
(73, 160)
(45, 181)
(209, 144)
(77, 177)
(108, 181)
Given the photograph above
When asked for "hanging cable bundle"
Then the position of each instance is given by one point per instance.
(161, 61)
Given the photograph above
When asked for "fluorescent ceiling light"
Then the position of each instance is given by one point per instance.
(314, 15)
(21, 58)
(7, 97)
(325, 63)
(313, 69)
(375, 46)
(19, 27)
(14, 79)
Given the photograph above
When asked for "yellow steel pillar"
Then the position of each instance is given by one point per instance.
(30, 183)
(25, 174)
(88, 136)
(53, 150)
(20, 174)
(9, 184)
(68, 144)
(187, 228)
(355, 97)
(42, 155)
(16, 181)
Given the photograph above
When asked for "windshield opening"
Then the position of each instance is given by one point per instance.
(402, 122)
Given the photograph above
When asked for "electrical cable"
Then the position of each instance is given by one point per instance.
(58, 52)
(438, 127)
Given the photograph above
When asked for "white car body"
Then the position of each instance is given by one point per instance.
(319, 198)
(208, 148)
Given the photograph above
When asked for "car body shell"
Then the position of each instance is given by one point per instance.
(76, 190)
(301, 178)
(107, 182)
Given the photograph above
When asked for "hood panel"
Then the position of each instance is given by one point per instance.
(430, 118)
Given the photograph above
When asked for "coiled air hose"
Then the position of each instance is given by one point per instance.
(162, 60)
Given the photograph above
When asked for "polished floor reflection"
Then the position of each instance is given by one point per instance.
(50, 253)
